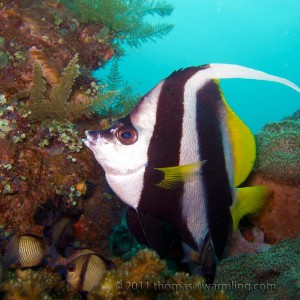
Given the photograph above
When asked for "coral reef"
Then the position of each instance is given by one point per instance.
(145, 276)
(36, 285)
(45, 160)
(55, 37)
(278, 152)
(63, 31)
(270, 275)
(277, 167)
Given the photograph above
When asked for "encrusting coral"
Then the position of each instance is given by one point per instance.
(274, 274)
(278, 157)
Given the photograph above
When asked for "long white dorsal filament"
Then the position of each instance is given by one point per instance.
(219, 71)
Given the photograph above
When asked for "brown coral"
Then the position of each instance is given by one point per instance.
(280, 218)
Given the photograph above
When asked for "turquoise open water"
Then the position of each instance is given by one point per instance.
(261, 34)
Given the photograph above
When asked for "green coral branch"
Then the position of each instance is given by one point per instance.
(58, 107)
(38, 87)
(62, 91)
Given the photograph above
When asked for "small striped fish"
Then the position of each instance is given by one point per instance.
(85, 272)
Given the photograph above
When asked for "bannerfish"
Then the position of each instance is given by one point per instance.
(85, 272)
(24, 251)
(180, 156)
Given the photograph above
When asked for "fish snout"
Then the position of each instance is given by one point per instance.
(91, 137)
(93, 134)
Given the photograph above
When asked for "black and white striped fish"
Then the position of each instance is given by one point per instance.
(180, 156)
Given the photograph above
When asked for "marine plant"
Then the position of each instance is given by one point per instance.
(115, 98)
(123, 20)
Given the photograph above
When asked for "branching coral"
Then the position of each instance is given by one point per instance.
(124, 19)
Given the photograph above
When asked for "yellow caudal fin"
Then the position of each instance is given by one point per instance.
(173, 176)
(248, 201)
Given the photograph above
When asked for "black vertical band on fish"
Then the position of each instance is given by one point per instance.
(164, 151)
(215, 177)
(83, 271)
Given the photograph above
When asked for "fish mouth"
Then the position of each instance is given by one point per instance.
(90, 139)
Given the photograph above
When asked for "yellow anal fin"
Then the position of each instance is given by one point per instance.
(249, 200)
(174, 176)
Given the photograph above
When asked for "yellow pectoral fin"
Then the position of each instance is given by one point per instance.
(249, 200)
(173, 176)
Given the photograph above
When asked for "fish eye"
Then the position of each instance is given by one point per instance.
(72, 268)
(127, 136)
(3, 252)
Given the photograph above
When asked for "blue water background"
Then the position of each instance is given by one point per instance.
(261, 34)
